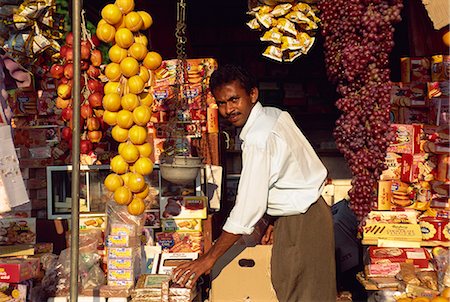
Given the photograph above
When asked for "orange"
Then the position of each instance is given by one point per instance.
(112, 72)
(446, 292)
(106, 32)
(144, 74)
(129, 67)
(119, 165)
(111, 13)
(140, 38)
(137, 135)
(101, 22)
(125, 177)
(119, 134)
(404, 300)
(117, 54)
(109, 117)
(440, 299)
(129, 152)
(152, 60)
(112, 87)
(113, 181)
(145, 149)
(111, 102)
(124, 119)
(123, 196)
(146, 98)
(121, 24)
(142, 115)
(143, 166)
(421, 299)
(125, 6)
(129, 101)
(138, 51)
(135, 84)
(144, 193)
(124, 37)
(146, 19)
(136, 206)
(136, 183)
(446, 38)
(133, 21)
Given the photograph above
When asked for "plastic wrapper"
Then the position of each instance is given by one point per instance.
(253, 24)
(281, 9)
(408, 274)
(429, 279)
(274, 53)
(266, 20)
(272, 35)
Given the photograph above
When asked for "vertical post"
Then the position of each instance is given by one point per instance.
(76, 95)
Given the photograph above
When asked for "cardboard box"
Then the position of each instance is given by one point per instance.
(17, 270)
(407, 139)
(418, 256)
(388, 231)
(439, 68)
(12, 292)
(384, 194)
(415, 69)
(168, 261)
(410, 167)
(434, 229)
(245, 277)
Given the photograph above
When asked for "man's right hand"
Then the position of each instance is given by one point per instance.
(268, 236)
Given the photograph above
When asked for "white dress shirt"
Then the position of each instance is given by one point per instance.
(281, 173)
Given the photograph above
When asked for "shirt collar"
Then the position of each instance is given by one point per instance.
(256, 110)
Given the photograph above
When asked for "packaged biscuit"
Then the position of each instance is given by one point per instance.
(266, 20)
(286, 26)
(169, 225)
(253, 24)
(289, 43)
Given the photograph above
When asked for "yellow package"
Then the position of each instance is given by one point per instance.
(265, 19)
(253, 24)
(290, 56)
(281, 9)
(286, 26)
(289, 43)
(272, 35)
(273, 53)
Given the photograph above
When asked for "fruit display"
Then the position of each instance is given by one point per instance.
(127, 100)
(91, 110)
(289, 27)
(358, 39)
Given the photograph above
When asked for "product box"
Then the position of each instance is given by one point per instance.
(168, 261)
(175, 242)
(12, 292)
(418, 256)
(117, 241)
(172, 225)
(120, 275)
(440, 68)
(415, 69)
(410, 167)
(388, 231)
(17, 231)
(15, 270)
(435, 229)
(120, 252)
(384, 195)
(407, 139)
(122, 229)
(439, 111)
(120, 264)
(438, 89)
(410, 115)
(393, 162)
(183, 207)
(234, 280)
(382, 270)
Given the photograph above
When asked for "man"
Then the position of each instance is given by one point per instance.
(283, 176)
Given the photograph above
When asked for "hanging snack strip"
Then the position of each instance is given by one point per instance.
(32, 30)
(289, 28)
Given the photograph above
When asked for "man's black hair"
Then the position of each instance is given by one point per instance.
(229, 73)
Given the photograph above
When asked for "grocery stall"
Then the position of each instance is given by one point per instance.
(116, 167)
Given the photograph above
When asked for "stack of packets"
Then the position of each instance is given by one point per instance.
(406, 269)
(33, 30)
(288, 27)
(417, 177)
(160, 288)
(121, 252)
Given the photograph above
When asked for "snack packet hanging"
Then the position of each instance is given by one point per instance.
(286, 26)
(290, 43)
(265, 19)
(253, 24)
(290, 56)
(273, 53)
(272, 35)
(281, 9)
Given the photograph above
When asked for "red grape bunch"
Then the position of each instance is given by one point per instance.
(358, 39)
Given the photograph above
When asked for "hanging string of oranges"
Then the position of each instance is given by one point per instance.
(127, 101)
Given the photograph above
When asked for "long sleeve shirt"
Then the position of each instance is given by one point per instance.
(281, 173)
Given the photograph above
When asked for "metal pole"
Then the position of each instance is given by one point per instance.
(76, 95)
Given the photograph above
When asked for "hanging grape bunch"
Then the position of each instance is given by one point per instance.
(127, 100)
(358, 39)
(91, 90)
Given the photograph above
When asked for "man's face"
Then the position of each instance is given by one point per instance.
(234, 103)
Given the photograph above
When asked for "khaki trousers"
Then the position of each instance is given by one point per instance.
(303, 263)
